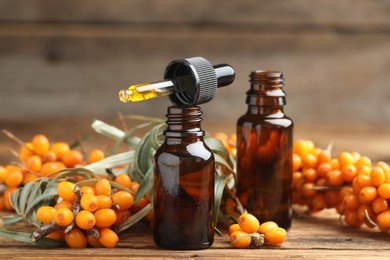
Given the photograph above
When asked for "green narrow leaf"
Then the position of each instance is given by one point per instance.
(47, 196)
(24, 194)
(26, 237)
(216, 145)
(219, 159)
(134, 218)
(146, 185)
(10, 220)
(217, 231)
(219, 186)
(107, 130)
(82, 139)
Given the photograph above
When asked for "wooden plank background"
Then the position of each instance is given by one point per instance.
(68, 59)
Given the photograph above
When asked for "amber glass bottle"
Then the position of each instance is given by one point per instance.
(264, 150)
(184, 184)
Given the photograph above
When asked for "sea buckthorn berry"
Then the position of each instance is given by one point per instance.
(363, 161)
(345, 158)
(385, 167)
(351, 218)
(72, 158)
(89, 202)
(335, 164)
(95, 156)
(308, 189)
(324, 157)
(248, 223)
(103, 187)
(108, 238)
(364, 170)
(105, 217)
(140, 204)
(349, 172)
(335, 178)
(65, 190)
(26, 151)
(49, 156)
(87, 190)
(29, 177)
(323, 169)
(275, 236)
(345, 190)
(331, 198)
(2, 202)
(45, 214)
(379, 205)
(76, 239)
(364, 212)
(124, 180)
(240, 239)
(134, 187)
(7, 198)
(50, 167)
(3, 174)
(297, 180)
(378, 176)
(310, 174)
(14, 178)
(60, 149)
(318, 202)
(34, 163)
(297, 162)
(384, 190)
(122, 199)
(309, 161)
(367, 195)
(104, 202)
(94, 242)
(63, 216)
(302, 147)
(57, 235)
(351, 202)
(85, 219)
(121, 216)
(234, 227)
(264, 227)
(40, 144)
(363, 180)
(383, 219)
(64, 204)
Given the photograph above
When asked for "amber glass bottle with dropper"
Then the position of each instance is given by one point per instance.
(264, 150)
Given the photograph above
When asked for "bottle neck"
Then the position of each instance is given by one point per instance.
(184, 123)
(266, 95)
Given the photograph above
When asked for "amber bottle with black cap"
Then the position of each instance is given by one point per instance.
(264, 150)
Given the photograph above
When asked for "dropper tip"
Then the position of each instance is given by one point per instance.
(125, 95)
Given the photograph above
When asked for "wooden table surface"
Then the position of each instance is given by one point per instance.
(319, 236)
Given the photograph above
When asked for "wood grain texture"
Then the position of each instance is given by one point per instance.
(316, 237)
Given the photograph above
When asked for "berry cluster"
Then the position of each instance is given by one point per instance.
(86, 215)
(358, 189)
(40, 158)
(248, 231)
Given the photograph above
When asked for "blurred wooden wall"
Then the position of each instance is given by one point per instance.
(68, 59)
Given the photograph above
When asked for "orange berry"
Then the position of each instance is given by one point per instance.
(234, 227)
(351, 202)
(318, 202)
(367, 195)
(297, 162)
(94, 242)
(108, 238)
(364, 170)
(310, 174)
(3, 174)
(275, 236)
(351, 218)
(335, 178)
(331, 198)
(85, 219)
(58, 235)
(122, 199)
(64, 204)
(385, 167)
(345, 158)
(364, 211)
(104, 202)
(105, 217)
(40, 144)
(45, 214)
(335, 164)
(72, 158)
(2, 202)
(308, 189)
(302, 147)
(379, 205)
(76, 239)
(95, 156)
(124, 180)
(14, 178)
(34, 163)
(49, 156)
(240, 239)
(121, 216)
(26, 151)
(264, 227)
(383, 219)
(65, 190)
(349, 172)
(89, 202)
(363, 180)
(134, 187)
(7, 198)
(345, 190)
(378, 176)
(60, 149)
(363, 161)
(323, 169)
(384, 190)
(87, 190)
(297, 180)
(103, 187)
(248, 223)
(63, 216)
(50, 167)
(309, 161)
(29, 177)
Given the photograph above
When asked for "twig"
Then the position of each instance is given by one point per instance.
(16, 139)
(93, 232)
(240, 209)
(122, 121)
(76, 208)
(45, 230)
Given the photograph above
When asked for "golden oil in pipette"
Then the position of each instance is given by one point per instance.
(140, 92)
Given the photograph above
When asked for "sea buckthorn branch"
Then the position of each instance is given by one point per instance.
(44, 230)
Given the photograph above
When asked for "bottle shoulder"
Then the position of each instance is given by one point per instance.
(184, 150)
(277, 120)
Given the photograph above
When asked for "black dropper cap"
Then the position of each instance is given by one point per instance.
(197, 80)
